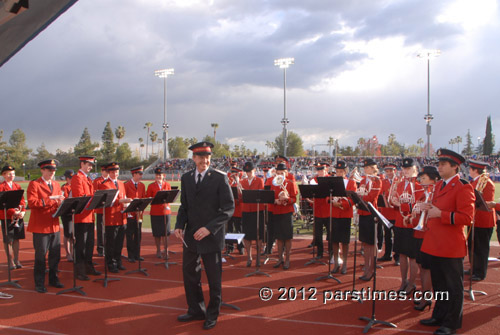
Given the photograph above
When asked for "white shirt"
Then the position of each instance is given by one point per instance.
(202, 175)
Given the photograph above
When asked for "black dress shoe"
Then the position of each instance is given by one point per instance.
(188, 317)
(430, 322)
(131, 260)
(113, 269)
(476, 278)
(384, 259)
(82, 277)
(121, 267)
(93, 272)
(444, 331)
(57, 284)
(467, 272)
(209, 324)
(277, 265)
(41, 289)
(139, 259)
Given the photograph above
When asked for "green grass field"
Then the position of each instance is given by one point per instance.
(299, 226)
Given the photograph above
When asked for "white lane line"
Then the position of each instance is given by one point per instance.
(36, 331)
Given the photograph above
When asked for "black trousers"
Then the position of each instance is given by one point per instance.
(132, 232)
(447, 276)
(100, 242)
(44, 243)
(234, 226)
(388, 239)
(84, 246)
(380, 236)
(269, 237)
(482, 238)
(114, 244)
(319, 223)
(191, 270)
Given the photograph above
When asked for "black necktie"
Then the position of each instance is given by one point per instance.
(51, 188)
(116, 183)
(135, 185)
(444, 184)
(199, 180)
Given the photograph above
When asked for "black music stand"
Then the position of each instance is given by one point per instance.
(312, 191)
(162, 198)
(267, 233)
(373, 321)
(104, 199)
(72, 206)
(480, 206)
(360, 204)
(334, 187)
(138, 205)
(258, 197)
(8, 200)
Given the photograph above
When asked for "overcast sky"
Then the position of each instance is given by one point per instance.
(356, 73)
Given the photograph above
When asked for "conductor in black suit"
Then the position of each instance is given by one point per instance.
(206, 205)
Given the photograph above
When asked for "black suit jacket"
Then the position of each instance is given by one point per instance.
(210, 205)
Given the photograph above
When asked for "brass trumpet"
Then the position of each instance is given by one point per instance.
(424, 216)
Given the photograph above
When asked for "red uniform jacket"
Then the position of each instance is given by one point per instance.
(66, 190)
(237, 201)
(321, 205)
(257, 184)
(445, 235)
(134, 193)
(415, 191)
(113, 215)
(5, 187)
(369, 189)
(42, 208)
(153, 188)
(96, 183)
(291, 187)
(388, 212)
(346, 212)
(81, 186)
(483, 219)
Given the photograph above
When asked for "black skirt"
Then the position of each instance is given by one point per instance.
(158, 225)
(249, 223)
(68, 225)
(283, 226)
(367, 229)
(422, 258)
(341, 230)
(404, 242)
(14, 232)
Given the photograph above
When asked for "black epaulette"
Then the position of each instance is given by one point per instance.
(464, 182)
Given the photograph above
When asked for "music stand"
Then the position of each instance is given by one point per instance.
(104, 199)
(138, 205)
(8, 200)
(162, 198)
(257, 197)
(373, 321)
(480, 206)
(334, 187)
(227, 241)
(311, 191)
(360, 204)
(72, 206)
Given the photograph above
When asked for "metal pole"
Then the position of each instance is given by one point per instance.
(284, 113)
(428, 107)
(165, 136)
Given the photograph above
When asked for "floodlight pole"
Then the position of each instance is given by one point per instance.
(284, 63)
(164, 74)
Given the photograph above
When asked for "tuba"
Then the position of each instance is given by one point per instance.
(280, 181)
(424, 216)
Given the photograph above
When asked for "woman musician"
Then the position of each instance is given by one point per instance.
(428, 178)
(404, 243)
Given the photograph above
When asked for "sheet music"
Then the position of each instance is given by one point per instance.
(235, 236)
(387, 223)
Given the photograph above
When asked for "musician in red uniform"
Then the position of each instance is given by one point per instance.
(44, 197)
(98, 223)
(249, 212)
(269, 236)
(389, 212)
(321, 213)
(14, 222)
(428, 178)
(451, 210)
(134, 188)
(160, 214)
(342, 215)
(404, 198)
(368, 190)
(484, 222)
(66, 219)
(81, 186)
(234, 224)
(285, 195)
(114, 219)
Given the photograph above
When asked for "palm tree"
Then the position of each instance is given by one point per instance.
(147, 126)
(331, 143)
(215, 126)
(451, 142)
(141, 145)
(119, 133)
(458, 140)
(420, 142)
(153, 136)
(159, 141)
(269, 145)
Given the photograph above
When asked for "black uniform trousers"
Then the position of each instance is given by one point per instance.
(191, 270)
(132, 232)
(319, 223)
(84, 246)
(234, 226)
(43, 243)
(100, 242)
(388, 239)
(447, 276)
(269, 237)
(482, 238)
(114, 245)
